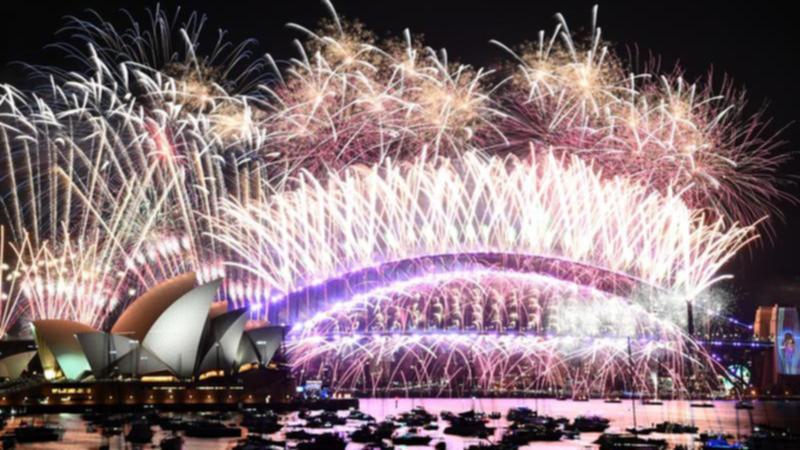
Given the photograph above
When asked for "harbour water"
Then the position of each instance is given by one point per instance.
(723, 418)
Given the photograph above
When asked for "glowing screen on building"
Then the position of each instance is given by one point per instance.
(788, 331)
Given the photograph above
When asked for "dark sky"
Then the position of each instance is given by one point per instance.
(754, 42)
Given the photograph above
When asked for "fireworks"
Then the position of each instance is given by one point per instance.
(580, 99)
(384, 201)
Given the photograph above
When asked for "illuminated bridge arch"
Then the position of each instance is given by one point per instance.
(357, 265)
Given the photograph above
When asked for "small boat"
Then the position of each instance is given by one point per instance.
(581, 398)
(490, 446)
(613, 400)
(705, 436)
(590, 424)
(652, 402)
(411, 438)
(523, 436)
(325, 441)
(675, 428)
(468, 427)
(447, 415)
(211, 429)
(173, 442)
(495, 415)
(433, 426)
(520, 413)
(385, 429)
(364, 434)
(640, 430)
(382, 445)
(326, 419)
(720, 443)
(744, 404)
(140, 433)
(172, 424)
(360, 416)
(417, 417)
(252, 442)
(701, 405)
(629, 442)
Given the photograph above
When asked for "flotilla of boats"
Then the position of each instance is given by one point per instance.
(332, 430)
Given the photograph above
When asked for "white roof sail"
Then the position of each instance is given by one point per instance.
(174, 337)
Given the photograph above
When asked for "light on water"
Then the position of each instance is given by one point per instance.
(722, 418)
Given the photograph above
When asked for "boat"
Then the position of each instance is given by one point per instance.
(417, 417)
(640, 430)
(140, 433)
(652, 402)
(325, 441)
(447, 415)
(433, 426)
(252, 442)
(411, 438)
(522, 436)
(173, 442)
(589, 424)
(629, 442)
(675, 428)
(360, 416)
(495, 415)
(385, 429)
(464, 426)
(519, 413)
(37, 433)
(382, 445)
(613, 400)
(744, 404)
(211, 429)
(720, 443)
(472, 415)
(705, 436)
(542, 421)
(701, 405)
(364, 434)
(490, 446)
(581, 398)
(326, 419)
(172, 424)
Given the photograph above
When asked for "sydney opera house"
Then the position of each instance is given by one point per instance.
(171, 337)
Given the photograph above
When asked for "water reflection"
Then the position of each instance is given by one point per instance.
(722, 418)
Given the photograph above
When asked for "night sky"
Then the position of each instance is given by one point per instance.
(755, 43)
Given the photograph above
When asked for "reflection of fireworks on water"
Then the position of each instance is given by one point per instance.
(361, 155)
